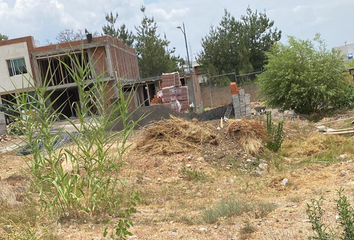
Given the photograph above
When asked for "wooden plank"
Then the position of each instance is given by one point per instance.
(342, 132)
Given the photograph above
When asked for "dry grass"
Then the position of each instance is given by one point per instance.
(249, 134)
(315, 144)
(175, 135)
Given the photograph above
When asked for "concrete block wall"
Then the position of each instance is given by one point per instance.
(221, 96)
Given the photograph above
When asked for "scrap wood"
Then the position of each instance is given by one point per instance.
(339, 132)
(335, 131)
(175, 135)
(338, 120)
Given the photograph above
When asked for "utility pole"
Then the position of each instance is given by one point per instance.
(189, 65)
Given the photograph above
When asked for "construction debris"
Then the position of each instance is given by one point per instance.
(175, 135)
(331, 131)
(249, 134)
(59, 142)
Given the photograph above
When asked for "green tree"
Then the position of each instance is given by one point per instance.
(154, 56)
(259, 35)
(121, 33)
(238, 46)
(223, 48)
(304, 77)
(3, 37)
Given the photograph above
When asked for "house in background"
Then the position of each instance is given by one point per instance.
(21, 60)
(347, 51)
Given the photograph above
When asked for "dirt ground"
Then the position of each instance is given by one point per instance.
(174, 203)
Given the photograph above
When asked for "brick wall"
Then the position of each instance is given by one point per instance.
(220, 96)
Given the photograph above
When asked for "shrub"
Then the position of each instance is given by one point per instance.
(346, 219)
(302, 77)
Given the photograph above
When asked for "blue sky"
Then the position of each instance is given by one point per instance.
(44, 19)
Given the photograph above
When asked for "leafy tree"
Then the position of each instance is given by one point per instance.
(121, 33)
(153, 54)
(259, 35)
(3, 37)
(304, 77)
(238, 46)
(223, 50)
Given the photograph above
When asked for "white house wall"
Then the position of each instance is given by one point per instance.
(14, 51)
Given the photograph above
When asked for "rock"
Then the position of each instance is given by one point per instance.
(248, 160)
(343, 173)
(188, 165)
(256, 173)
(287, 160)
(203, 229)
(190, 157)
(200, 159)
(284, 182)
(159, 179)
(343, 156)
(264, 167)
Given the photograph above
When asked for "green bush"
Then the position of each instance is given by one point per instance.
(302, 77)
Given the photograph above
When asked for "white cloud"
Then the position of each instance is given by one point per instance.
(43, 19)
(160, 13)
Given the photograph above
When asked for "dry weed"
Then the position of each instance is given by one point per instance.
(175, 135)
(249, 134)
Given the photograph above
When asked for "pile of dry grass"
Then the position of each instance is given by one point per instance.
(249, 134)
(175, 135)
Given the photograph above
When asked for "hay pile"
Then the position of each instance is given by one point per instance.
(249, 134)
(175, 135)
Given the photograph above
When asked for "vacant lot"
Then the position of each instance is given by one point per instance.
(200, 183)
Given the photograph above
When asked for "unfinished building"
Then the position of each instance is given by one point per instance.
(106, 57)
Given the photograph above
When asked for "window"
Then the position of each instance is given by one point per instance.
(16, 66)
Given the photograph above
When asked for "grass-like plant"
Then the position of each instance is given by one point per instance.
(89, 185)
(275, 133)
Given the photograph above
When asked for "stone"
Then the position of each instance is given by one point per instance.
(188, 165)
(284, 182)
(256, 173)
(203, 229)
(263, 166)
(201, 159)
(343, 156)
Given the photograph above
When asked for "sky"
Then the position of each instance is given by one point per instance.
(44, 19)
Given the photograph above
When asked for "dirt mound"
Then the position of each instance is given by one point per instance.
(175, 135)
(151, 113)
(248, 133)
